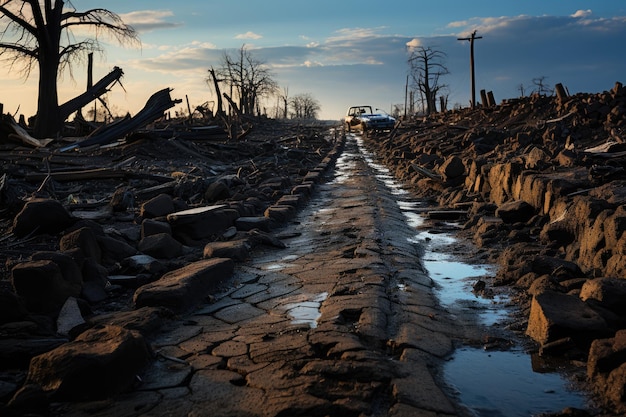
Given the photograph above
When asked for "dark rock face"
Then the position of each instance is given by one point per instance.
(515, 211)
(42, 216)
(41, 285)
(98, 363)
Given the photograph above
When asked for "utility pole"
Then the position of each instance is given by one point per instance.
(472, 79)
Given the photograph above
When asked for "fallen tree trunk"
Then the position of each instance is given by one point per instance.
(99, 89)
(154, 109)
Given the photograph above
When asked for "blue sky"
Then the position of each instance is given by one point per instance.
(353, 52)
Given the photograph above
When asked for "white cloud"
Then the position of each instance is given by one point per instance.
(149, 20)
(351, 34)
(582, 13)
(248, 35)
(312, 64)
(414, 43)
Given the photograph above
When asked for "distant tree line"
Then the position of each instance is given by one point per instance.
(246, 82)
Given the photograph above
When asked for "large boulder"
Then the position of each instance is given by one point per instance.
(202, 222)
(515, 211)
(610, 293)
(555, 316)
(161, 246)
(606, 369)
(238, 250)
(99, 363)
(41, 286)
(41, 216)
(452, 168)
(85, 240)
(159, 206)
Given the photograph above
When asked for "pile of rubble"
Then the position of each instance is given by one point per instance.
(101, 244)
(543, 183)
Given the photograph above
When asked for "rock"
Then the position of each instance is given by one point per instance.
(203, 222)
(181, 289)
(249, 223)
(69, 317)
(452, 168)
(11, 307)
(85, 240)
(143, 263)
(554, 316)
(146, 320)
(114, 249)
(161, 246)
(238, 250)
(280, 214)
(558, 268)
(29, 400)
(159, 206)
(606, 354)
(610, 293)
(152, 227)
(606, 368)
(42, 286)
(259, 237)
(518, 211)
(99, 363)
(94, 272)
(293, 200)
(566, 158)
(536, 158)
(122, 200)
(70, 269)
(42, 216)
(216, 191)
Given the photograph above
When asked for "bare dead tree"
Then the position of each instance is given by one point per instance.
(43, 34)
(284, 97)
(248, 78)
(304, 106)
(541, 87)
(426, 67)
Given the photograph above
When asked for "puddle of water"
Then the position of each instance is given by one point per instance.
(455, 282)
(276, 266)
(496, 383)
(306, 312)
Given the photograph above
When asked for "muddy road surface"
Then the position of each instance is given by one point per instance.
(343, 321)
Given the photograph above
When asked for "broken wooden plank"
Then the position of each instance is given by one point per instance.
(22, 135)
(426, 172)
(93, 174)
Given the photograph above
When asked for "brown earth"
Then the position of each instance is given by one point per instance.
(540, 181)
(543, 183)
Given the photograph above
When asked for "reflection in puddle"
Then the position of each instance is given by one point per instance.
(482, 380)
(306, 312)
(276, 266)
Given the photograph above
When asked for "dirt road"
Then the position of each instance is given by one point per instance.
(343, 322)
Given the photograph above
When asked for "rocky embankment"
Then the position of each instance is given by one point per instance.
(543, 182)
(101, 247)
